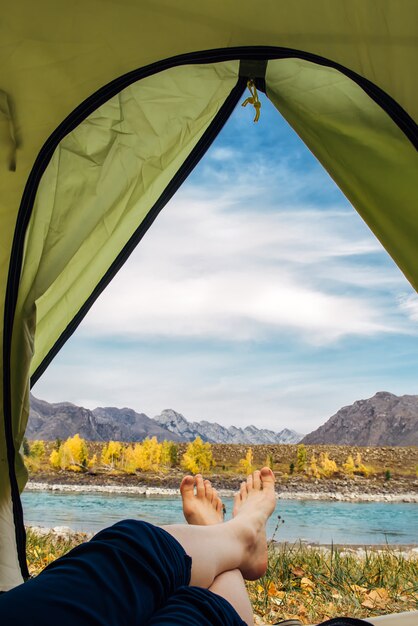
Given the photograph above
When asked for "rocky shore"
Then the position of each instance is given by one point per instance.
(350, 490)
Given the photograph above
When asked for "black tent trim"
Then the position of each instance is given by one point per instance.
(256, 53)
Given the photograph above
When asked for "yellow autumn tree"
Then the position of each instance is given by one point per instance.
(169, 454)
(71, 455)
(148, 455)
(301, 458)
(361, 469)
(245, 465)
(313, 469)
(328, 466)
(130, 460)
(92, 464)
(37, 449)
(111, 454)
(198, 457)
(349, 466)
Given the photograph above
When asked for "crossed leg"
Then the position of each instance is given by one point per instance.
(131, 571)
(239, 543)
(202, 506)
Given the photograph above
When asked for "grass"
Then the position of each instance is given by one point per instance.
(308, 583)
(313, 584)
(41, 550)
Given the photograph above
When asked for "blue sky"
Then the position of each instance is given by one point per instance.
(257, 297)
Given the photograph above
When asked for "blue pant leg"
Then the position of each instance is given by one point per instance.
(119, 578)
(194, 606)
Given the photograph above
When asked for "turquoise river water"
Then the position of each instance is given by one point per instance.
(311, 520)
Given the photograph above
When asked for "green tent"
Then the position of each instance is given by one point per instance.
(107, 105)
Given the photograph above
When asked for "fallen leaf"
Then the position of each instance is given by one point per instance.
(272, 590)
(306, 583)
(368, 604)
(336, 595)
(358, 589)
(298, 572)
(260, 589)
(378, 597)
(380, 592)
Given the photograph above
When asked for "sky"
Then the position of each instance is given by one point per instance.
(258, 296)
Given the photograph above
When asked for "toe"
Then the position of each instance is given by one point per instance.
(243, 491)
(250, 482)
(267, 477)
(214, 496)
(208, 490)
(200, 486)
(187, 487)
(257, 480)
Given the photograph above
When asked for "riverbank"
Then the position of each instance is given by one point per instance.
(407, 551)
(358, 489)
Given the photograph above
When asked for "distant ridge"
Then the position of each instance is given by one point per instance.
(383, 420)
(61, 420)
(215, 433)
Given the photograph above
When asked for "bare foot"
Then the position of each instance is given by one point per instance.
(204, 507)
(253, 505)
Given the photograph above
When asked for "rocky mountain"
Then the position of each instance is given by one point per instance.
(384, 420)
(61, 420)
(215, 433)
(51, 421)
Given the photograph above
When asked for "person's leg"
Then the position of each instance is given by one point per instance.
(126, 572)
(237, 544)
(204, 507)
(226, 602)
(120, 577)
(231, 586)
(194, 606)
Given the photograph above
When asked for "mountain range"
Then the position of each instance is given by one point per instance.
(61, 420)
(383, 420)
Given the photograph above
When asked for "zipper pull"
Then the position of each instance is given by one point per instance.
(253, 99)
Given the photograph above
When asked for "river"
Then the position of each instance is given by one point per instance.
(314, 521)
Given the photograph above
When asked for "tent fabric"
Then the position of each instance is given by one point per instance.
(106, 106)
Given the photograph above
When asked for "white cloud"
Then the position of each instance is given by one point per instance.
(222, 153)
(409, 304)
(206, 270)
